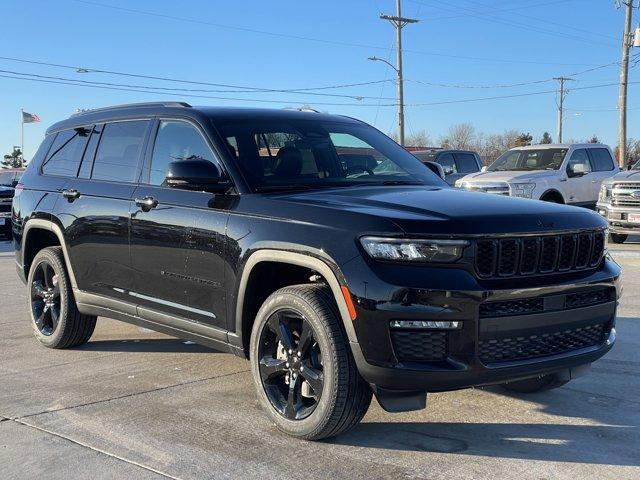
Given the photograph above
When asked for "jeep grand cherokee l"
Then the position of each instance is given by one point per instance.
(259, 232)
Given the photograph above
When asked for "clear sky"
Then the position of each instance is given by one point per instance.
(288, 44)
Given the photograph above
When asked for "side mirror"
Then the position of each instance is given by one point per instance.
(435, 168)
(576, 170)
(484, 168)
(196, 174)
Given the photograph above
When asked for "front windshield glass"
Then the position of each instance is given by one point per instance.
(7, 178)
(303, 154)
(524, 160)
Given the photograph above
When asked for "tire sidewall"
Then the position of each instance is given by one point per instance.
(331, 371)
(50, 257)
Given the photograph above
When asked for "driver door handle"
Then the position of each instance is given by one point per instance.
(71, 194)
(146, 203)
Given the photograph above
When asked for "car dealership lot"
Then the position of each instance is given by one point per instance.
(136, 404)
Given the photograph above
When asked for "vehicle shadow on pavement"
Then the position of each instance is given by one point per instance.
(531, 441)
(159, 345)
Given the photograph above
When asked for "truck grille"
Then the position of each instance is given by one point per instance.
(542, 345)
(495, 188)
(510, 257)
(418, 346)
(622, 194)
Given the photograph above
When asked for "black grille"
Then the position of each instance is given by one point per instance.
(522, 348)
(586, 299)
(509, 257)
(508, 308)
(416, 346)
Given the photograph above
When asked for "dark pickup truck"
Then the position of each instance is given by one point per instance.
(273, 235)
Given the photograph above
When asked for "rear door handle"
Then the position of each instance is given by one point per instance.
(146, 203)
(71, 194)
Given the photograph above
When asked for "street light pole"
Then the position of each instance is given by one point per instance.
(627, 39)
(398, 21)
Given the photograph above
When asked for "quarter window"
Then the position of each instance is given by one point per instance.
(119, 151)
(602, 161)
(66, 153)
(176, 141)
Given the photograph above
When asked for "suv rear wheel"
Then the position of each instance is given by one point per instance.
(618, 237)
(55, 318)
(304, 373)
(538, 384)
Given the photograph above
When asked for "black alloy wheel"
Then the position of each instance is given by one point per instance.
(45, 298)
(290, 364)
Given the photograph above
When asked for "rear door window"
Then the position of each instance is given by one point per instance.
(119, 151)
(601, 159)
(66, 152)
(466, 162)
(90, 152)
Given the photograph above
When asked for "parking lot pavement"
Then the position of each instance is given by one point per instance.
(137, 404)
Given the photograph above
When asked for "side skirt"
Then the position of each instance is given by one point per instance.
(90, 304)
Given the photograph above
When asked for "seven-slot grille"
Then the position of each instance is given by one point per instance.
(622, 194)
(509, 257)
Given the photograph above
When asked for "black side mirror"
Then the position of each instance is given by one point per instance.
(435, 168)
(196, 174)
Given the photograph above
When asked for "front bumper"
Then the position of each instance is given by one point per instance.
(617, 217)
(469, 359)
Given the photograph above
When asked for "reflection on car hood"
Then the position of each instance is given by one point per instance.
(510, 176)
(631, 175)
(435, 210)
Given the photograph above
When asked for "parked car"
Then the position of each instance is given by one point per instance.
(456, 163)
(619, 203)
(559, 173)
(8, 180)
(242, 229)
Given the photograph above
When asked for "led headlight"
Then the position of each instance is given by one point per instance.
(414, 250)
(524, 190)
(605, 193)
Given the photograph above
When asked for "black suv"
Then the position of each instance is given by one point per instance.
(271, 234)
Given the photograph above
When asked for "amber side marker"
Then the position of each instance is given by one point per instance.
(347, 298)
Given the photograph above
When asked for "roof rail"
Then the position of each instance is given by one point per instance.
(302, 109)
(131, 105)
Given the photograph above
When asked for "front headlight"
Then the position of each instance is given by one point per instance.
(458, 183)
(524, 190)
(410, 250)
(605, 193)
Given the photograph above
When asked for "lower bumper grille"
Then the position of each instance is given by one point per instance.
(419, 346)
(534, 346)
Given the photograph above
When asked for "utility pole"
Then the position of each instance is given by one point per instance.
(398, 21)
(563, 92)
(627, 41)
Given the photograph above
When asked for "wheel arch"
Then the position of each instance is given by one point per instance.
(240, 338)
(552, 192)
(31, 228)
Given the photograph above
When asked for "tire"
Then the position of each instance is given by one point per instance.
(618, 237)
(551, 199)
(538, 384)
(342, 398)
(54, 316)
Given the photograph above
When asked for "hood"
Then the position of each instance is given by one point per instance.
(510, 176)
(448, 211)
(631, 175)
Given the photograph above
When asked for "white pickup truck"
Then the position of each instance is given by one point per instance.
(561, 173)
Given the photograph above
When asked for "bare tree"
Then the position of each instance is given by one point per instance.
(462, 136)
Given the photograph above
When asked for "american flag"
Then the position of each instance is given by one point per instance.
(30, 117)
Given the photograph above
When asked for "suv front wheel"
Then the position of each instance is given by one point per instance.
(54, 316)
(618, 237)
(304, 373)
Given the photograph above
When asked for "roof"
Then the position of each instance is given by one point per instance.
(136, 110)
(541, 146)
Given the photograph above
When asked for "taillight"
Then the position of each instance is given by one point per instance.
(18, 189)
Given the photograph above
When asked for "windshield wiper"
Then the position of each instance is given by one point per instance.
(276, 188)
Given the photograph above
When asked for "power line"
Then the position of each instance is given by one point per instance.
(311, 39)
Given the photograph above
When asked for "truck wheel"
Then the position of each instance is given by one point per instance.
(55, 318)
(538, 384)
(618, 237)
(304, 373)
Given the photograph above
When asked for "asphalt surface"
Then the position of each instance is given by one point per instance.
(136, 404)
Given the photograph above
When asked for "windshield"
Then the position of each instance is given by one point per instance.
(524, 160)
(302, 154)
(7, 178)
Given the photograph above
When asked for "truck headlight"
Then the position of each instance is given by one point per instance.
(458, 183)
(605, 193)
(414, 250)
(524, 190)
